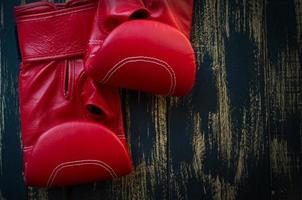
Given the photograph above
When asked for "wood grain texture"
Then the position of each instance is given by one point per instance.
(11, 181)
(238, 135)
(284, 97)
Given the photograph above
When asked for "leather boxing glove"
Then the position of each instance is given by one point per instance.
(72, 128)
(143, 45)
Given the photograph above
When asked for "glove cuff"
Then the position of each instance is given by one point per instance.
(53, 37)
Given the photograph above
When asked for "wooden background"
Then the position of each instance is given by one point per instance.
(238, 135)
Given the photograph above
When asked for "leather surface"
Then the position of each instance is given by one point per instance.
(175, 13)
(146, 61)
(72, 127)
(143, 45)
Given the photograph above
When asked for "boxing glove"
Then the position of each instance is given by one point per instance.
(72, 128)
(143, 46)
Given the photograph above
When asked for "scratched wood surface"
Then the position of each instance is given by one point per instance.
(238, 135)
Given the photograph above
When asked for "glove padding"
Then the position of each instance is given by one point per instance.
(145, 55)
(142, 46)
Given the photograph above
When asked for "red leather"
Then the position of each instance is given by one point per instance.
(143, 45)
(72, 128)
(173, 12)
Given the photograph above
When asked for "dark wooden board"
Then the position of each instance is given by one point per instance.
(238, 135)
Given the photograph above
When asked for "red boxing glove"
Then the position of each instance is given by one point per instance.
(72, 128)
(152, 53)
